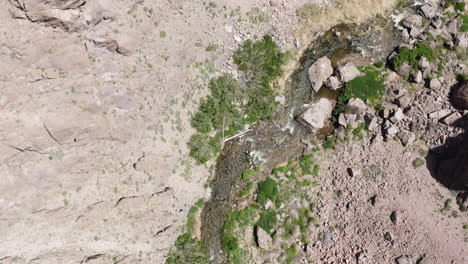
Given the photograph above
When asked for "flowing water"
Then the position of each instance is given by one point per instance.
(275, 141)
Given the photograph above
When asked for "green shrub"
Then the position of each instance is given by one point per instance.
(246, 190)
(329, 143)
(464, 24)
(309, 10)
(249, 173)
(267, 221)
(368, 87)
(187, 250)
(305, 161)
(202, 147)
(379, 64)
(418, 163)
(316, 170)
(268, 190)
(371, 172)
(212, 47)
(412, 56)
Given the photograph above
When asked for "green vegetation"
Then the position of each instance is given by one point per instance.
(447, 207)
(316, 170)
(267, 221)
(191, 214)
(423, 153)
(418, 163)
(401, 3)
(247, 174)
(412, 56)
(187, 250)
(268, 190)
(305, 162)
(464, 25)
(329, 143)
(309, 10)
(256, 16)
(212, 47)
(379, 64)
(229, 242)
(369, 87)
(222, 113)
(247, 190)
(371, 172)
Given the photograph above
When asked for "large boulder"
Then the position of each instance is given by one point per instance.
(356, 106)
(348, 72)
(315, 116)
(460, 96)
(319, 72)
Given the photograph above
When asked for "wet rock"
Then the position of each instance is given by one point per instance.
(356, 106)
(264, 239)
(319, 72)
(452, 118)
(406, 137)
(348, 72)
(412, 21)
(313, 117)
(460, 96)
(327, 239)
(435, 84)
(406, 260)
(333, 83)
(428, 10)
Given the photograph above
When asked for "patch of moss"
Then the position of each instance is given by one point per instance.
(267, 221)
(412, 56)
(418, 163)
(268, 190)
(305, 162)
(247, 190)
(249, 173)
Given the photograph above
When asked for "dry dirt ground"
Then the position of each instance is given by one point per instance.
(94, 110)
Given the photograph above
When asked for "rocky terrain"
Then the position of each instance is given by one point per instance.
(97, 99)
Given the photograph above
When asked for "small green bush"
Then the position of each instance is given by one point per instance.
(305, 161)
(187, 250)
(316, 170)
(267, 221)
(309, 10)
(464, 24)
(379, 64)
(202, 147)
(268, 190)
(329, 143)
(412, 56)
(249, 173)
(246, 190)
(418, 163)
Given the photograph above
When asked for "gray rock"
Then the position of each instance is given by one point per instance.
(451, 26)
(460, 96)
(348, 72)
(461, 40)
(412, 21)
(403, 101)
(333, 83)
(417, 77)
(280, 99)
(346, 119)
(405, 35)
(397, 116)
(452, 118)
(428, 10)
(354, 172)
(415, 32)
(327, 239)
(371, 122)
(315, 116)
(356, 106)
(319, 72)
(264, 239)
(388, 236)
(424, 63)
(404, 69)
(439, 114)
(406, 137)
(435, 84)
(406, 260)
(391, 131)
